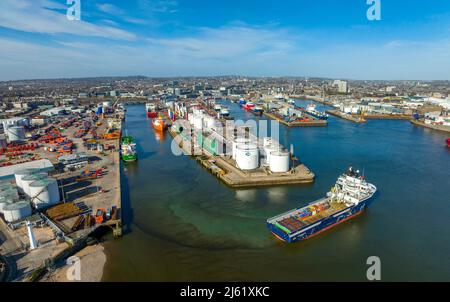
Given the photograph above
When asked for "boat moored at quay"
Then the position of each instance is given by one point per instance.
(349, 197)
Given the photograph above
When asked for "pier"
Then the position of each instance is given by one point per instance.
(224, 168)
(348, 117)
(420, 123)
(312, 123)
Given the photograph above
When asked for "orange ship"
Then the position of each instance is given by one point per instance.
(159, 124)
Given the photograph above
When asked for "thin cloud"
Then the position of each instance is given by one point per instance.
(33, 16)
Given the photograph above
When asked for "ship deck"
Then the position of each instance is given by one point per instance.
(292, 221)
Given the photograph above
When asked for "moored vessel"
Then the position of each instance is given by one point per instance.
(128, 149)
(224, 112)
(349, 197)
(448, 142)
(159, 124)
(311, 110)
(151, 110)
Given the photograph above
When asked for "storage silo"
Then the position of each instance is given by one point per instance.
(279, 161)
(267, 141)
(236, 142)
(15, 133)
(267, 150)
(16, 211)
(18, 174)
(247, 156)
(198, 121)
(4, 201)
(28, 179)
(44, 193)
(10, 192)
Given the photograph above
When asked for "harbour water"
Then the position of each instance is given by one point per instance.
(182, 224)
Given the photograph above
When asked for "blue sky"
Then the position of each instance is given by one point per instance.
(326, 38)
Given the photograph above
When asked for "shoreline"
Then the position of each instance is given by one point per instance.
(91, 257)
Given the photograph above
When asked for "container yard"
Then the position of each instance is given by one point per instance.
(59, 182)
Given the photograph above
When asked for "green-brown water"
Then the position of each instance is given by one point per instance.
(182, 224)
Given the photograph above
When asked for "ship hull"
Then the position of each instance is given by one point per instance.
(129, 158)
(322, 225)
(152, 114)
(317, 116)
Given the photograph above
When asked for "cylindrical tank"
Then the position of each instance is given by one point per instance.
(198, 122)
(10, 193)
(28, 179)
(267, 150)
(19, 174)
(236, 142)
(191, 119)
(44, 193)
(15, 211)
(210, 122)
(267, 141)
(279, 161)
(16, 133)
(247, 156)
(5, 200)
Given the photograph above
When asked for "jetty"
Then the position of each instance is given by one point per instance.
(312, 122)
(420, 123)
(224, 168)
(345, 116)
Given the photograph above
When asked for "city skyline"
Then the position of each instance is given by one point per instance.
(177, 38)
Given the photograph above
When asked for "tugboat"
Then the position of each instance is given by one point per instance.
(256, 110)
(128, 149)
(242, 102)
(248, 105)
(311, 110)
(349, 197)
(159, 124)
(224, 112)
(150, 108)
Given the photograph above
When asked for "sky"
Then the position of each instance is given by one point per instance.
(169, 38)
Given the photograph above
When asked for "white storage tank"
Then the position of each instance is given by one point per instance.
(236, 142)
(279, 161)
(191, 119)
(16, 133)
(198, 122)
(44, 193)
(267, 150)
(16, 211)
(28, 179)
(267, 141)
(21, 173)
(247, 156)
(10, 193)
(4, 201)
(210, 122)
